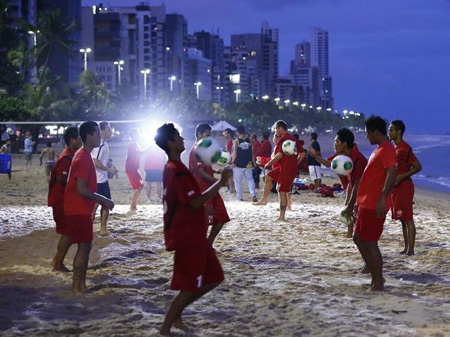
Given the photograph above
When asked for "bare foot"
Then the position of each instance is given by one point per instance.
(61, 269)
(281, 220)
(365, 269)
(103, 233)
(377, 288)
(410, 253)
(180, 325)
(403, 251)
(260, 203)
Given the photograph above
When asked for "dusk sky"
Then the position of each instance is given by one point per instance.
(387, 57)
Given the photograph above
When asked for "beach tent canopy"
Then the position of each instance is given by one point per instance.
(222, 125)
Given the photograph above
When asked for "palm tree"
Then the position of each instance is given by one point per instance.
(54, 32)
(19, 58)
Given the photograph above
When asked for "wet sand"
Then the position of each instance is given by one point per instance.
(282, 279)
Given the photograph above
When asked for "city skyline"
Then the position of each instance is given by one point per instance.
(386, 58)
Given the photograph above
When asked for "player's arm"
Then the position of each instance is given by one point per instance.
(234, 153)
(351, 196)
(198, 202)
(316, 155)
(86, 193)
(301, 156)
(205, 176)
(391, 172)
(415, 167)
(42, 155)
(100, 166)
(274, 160)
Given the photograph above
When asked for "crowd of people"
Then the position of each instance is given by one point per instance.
(191, 199)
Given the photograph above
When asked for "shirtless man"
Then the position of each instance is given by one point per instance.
(50, 156)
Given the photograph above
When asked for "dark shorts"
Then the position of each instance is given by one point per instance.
(368, 225)
(154, 175)
(28, 156)
(103, 189)
(80, 228)
(60, 220)
(402, 202)
(195, 266)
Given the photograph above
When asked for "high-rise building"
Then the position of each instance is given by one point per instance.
(176, 42)
(320, 59)
(199, 79)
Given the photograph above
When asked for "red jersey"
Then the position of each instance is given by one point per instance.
(61, 170)
(359, 164)
(288, 164)
(183, 225)
(374, 176)
(133, 158)
(265, 149)
(82, 168)
(256, 146)
(195, 165)
(405, 158)
(229, 145)
(155, 159)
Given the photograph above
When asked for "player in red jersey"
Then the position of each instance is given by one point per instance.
(373, 199)
(344, 144)
(229, 135)
(196, 268)
(287, 169)
(132, 164)
(57, 185)
(216, 212)
(403, 193)
(80, 197)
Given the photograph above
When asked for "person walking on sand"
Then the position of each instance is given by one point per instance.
(57, 185)
(155, 160)
(196, 269)
(403, 193)
(101, 155)
(80, 197)
(132, 164)
(216, 212)
(229, 134)
(28, 149)
(373, 199)
(49, 155)
(315, 172)
(344, 143)
(242, 160)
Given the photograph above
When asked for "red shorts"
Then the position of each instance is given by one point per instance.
(402, 201)
(285, 181)
(80, 228)
(275, 174)
(135, 180)
(368, 225)
(216, 212)
(195, 266)
(60, 220)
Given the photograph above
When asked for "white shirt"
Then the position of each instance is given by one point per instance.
(102, 176)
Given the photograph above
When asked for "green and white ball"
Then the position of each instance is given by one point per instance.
(225, 158)
(208, 151)
(289, 147)
(344, 218)
(342, 165)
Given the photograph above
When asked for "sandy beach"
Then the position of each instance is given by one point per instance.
(282, 279)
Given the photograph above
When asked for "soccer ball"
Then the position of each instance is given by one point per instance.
(344, 218)
(208, 150)
(224, 159)
(342, 165)
(289, 147)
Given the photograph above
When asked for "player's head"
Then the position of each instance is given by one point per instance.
(344, 139)
(265, 135)
(375, 127)
(72, 137)
(105, 130)
(314, 136)
(253, 136)
(203, 130)
(396, 129)
(168, 139)
(90, 133)
(240, 130)
(280, 127)
(228, 133)
(134, 135)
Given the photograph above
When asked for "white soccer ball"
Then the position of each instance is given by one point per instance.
(289, 147)
(344, 218)
(342, 165)
(208, 150)
(225, 158)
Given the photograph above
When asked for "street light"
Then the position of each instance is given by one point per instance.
(171, 79)
(319, 109)
(35, 49)
(198, 84)
(286, 102)
(220, 93)
(265, 97)
(119, 64)
(303, 105)
(277, 100)
(295, 103)
(237, 92)
(145, 72)
(85, 52)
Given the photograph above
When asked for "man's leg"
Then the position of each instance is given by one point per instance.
(238, 174)
(63, 247)
(405, 236)
(267, 187)
(159, 190)
(248, 173)
(104, 214)
(135, 200)
(80, 263)
(363, 251)
(411, 236)
(350, 230)
(283, 204)
(180, 302)
(148, 189)
(215, 229)
(375, 264)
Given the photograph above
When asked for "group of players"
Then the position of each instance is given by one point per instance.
(191, 201)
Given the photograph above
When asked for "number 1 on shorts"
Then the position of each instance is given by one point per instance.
(199, 281)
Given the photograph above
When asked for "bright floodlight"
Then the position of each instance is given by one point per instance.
(173, 78)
